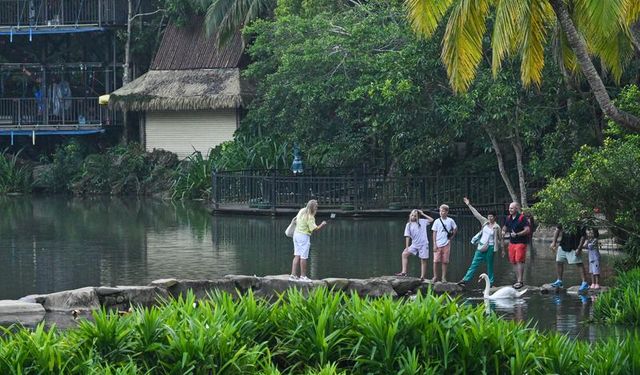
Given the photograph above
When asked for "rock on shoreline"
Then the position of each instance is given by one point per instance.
(30, 310)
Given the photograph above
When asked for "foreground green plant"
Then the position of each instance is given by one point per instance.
(315, 332)
(621, 304)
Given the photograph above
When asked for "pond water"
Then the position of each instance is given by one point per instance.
(50, 244)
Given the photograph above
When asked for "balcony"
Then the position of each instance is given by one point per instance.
(60, 16)
(68, 114)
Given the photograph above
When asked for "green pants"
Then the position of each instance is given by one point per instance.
(479, 257)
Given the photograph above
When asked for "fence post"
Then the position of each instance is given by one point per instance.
(495, 188)
(273, 191)
(214, 188)
(356, 186)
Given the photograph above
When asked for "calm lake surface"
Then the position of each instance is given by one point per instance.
(50, 244)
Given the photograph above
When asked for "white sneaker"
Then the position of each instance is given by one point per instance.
(305, 279)
(293, 277)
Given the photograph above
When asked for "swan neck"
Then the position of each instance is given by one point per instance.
(487, 287)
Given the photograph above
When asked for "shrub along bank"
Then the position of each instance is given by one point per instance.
(120, 170)
(318, 333)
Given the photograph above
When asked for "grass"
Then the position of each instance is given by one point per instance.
(320, 332)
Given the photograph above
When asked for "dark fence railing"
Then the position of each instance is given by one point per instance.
(278, 189)
(70, 111)
(38, 13)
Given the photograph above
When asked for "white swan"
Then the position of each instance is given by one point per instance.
(504, 292)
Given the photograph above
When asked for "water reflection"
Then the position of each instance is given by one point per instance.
(564, 313)
(50, 244)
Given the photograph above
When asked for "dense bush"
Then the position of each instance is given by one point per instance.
(601, 180)
(320, 333)
(621, 304)
(120, 170)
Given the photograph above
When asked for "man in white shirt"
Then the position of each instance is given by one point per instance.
(444, 229)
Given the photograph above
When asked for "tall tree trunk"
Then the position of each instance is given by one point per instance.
(503, 172)
(579, 47)
(126, 75)
(517, 148)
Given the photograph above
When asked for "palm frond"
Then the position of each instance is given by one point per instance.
(425, 15)
(631, 11)
(562, 52)
(617, 54)
(605, 26)
(462, 42)
(507, 31)
(538, 15)
(224, 17)
(597, 18)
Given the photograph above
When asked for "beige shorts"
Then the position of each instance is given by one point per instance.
(441, 254)
(569, 256)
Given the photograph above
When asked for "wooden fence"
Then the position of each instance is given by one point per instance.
(279, 189)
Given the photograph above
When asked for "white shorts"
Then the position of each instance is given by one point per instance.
(421, 251)
(301, 244)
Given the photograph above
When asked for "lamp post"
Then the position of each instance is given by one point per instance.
(296, 165)
(297, 169)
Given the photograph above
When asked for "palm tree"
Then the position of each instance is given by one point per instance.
(520, 28)
(226, 16)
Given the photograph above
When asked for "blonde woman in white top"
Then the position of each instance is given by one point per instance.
(488, 240)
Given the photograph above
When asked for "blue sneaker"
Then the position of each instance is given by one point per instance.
(583, 287)
(557, 284)
(584, 299)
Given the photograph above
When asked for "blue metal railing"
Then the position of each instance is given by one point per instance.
(62, 13)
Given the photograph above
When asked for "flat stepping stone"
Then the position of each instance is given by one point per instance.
(25, 313)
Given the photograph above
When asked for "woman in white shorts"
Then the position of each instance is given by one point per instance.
(305, 226)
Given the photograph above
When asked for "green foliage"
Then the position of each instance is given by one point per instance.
(349, 87)
(600, 179)
(15, 174)
(65, 164)
(321, 332)
(247, 153)
(180, 11)
(308, 8)
(620, 304)
(193, 178)
(628, 100)
(120, 170)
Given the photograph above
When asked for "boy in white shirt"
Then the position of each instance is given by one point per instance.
(444, 229)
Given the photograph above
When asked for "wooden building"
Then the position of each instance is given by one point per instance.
(192, 98)
(49, 85)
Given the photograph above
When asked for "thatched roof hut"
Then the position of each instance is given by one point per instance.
(191, 99)
(180, 90)
(189, 72)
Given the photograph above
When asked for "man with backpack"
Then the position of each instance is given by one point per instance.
(517, 229)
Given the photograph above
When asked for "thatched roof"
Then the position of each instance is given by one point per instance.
(189, 47)
(178, 90)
